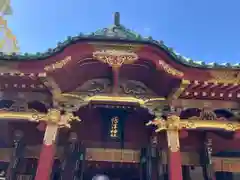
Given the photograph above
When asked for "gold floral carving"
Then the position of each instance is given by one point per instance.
(225, 77)
(54, 115)
(115, 58)
(66, 118)
(170, 70)
(58, 65)
(172, 125)
(173, 122)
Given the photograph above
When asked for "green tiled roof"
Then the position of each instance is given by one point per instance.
(118, 32)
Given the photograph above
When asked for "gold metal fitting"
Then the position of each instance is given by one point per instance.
(54, 115)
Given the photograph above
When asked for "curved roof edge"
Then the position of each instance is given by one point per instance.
(116, 32)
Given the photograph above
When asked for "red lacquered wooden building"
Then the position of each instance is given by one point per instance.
(118, 104)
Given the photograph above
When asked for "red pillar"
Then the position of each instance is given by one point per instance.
(174, 156)
(47, 153)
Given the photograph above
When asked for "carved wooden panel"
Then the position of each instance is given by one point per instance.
(226, 164)
(95, 86)
(112, 155)
(131, 156)
(217, 164)
(136, 89)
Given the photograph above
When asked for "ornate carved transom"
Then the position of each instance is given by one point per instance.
(136, 89)
(95, 86)
(115, 58)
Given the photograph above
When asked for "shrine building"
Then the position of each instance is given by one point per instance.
(121, 106)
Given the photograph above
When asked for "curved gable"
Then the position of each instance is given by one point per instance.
(117, 33)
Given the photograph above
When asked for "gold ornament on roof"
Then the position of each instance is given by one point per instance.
(169, 69)
(115, 58)
(58, 65)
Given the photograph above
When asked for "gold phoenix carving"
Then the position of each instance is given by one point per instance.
(115, 58)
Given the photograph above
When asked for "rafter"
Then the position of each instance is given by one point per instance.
(178, 91)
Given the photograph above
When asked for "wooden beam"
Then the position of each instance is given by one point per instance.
(178, 91)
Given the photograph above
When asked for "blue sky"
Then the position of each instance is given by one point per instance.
(206, 30)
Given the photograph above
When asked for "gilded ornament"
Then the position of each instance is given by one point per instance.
(115, 58)
(160, 123)
(66, 118)
(114, 127)
(170, 70)
(190, 125)
(58, 64)
(173, 122)
(230, 127)
(54, 115)
(120, 99)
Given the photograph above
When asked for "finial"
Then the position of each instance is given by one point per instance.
(117, 19)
